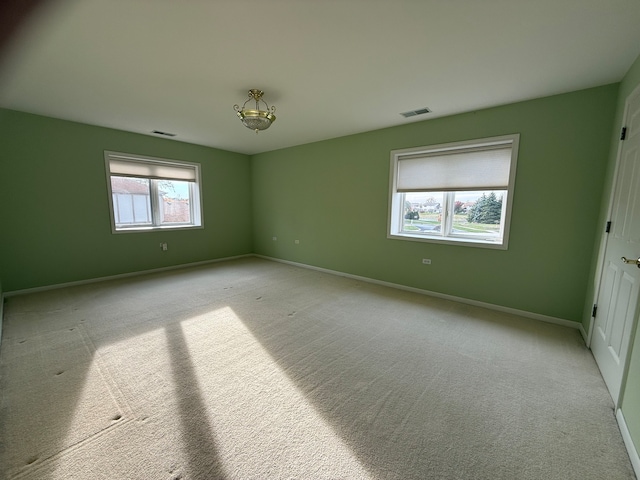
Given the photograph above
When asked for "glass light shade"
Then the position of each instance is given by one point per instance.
(256, 119)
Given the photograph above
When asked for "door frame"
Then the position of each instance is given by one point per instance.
(602, 251)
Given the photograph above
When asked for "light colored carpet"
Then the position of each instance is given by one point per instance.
(251, 369)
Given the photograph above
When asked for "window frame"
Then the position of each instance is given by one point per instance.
(195, 193)
(395, 219)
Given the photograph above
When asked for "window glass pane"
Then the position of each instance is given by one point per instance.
(174, 198)
(478, 213)
(141, 209)
(122, 208)
(131, 200)
(422, 212)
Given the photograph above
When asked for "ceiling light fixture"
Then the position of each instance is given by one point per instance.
(256, 119)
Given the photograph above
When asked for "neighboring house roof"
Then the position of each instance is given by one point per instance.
(128, 185)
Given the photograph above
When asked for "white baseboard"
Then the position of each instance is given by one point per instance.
(490, 306)
(500, 308)
(121, 275)
(628, 442)
(585, 335)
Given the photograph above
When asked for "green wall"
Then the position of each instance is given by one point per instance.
(54, 205)
(631, 395)
(332, 196)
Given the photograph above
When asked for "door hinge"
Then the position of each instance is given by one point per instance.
(623, 133)
(594, 311)
(607, 229)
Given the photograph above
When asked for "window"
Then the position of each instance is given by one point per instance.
(454, 193)
(152, 193)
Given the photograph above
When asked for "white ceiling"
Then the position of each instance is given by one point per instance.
(331, 67)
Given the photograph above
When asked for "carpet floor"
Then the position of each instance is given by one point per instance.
(252, 369)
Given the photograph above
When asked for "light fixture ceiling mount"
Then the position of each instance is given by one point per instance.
(256, 119)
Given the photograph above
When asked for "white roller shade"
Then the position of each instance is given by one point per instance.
(480, 168)
(125, 167)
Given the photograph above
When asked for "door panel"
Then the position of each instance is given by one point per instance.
(604, 303)
(619, 285)
(623, 315)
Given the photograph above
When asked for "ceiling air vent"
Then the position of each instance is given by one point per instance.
(166, 134)
(413, 113)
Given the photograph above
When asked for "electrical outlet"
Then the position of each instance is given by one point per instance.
(426, 261)
(275, 238)
(164, 246)
(296, 241)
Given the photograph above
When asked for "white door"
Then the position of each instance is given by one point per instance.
(620, 282)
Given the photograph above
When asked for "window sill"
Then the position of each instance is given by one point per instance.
(157, 229)
(466, 242)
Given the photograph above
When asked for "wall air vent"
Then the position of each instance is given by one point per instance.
(413, 113)
(166, 134)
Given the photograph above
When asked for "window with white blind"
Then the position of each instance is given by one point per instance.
(148, 193)
(454, 193)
